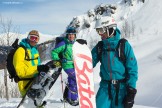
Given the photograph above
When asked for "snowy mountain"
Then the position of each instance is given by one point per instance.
(146, 44)
(13, 36)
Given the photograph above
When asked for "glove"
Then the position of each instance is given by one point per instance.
(81, 41)
(57, 63)
(129, 99)
(43, 68)
(50, 64)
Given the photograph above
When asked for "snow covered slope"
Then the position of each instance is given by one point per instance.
(148, 50)
(51, 104)
(13, 36)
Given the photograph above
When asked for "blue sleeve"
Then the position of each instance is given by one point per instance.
(131, 65)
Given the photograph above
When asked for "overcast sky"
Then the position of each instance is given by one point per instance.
(47, 16)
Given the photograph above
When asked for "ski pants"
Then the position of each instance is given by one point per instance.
(72, 85)
(102, 97)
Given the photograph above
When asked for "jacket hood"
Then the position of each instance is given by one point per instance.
(117, 36)
(25, 43)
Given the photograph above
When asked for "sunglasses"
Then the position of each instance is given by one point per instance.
(33, 38)
(101, 30)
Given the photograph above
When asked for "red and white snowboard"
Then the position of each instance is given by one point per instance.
(84, 75)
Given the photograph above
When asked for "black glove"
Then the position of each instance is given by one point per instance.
(81, 41)
(50, 64)
(129, 99)
(43, 68)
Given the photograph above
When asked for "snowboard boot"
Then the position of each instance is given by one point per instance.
(70, 101)
(73, 102)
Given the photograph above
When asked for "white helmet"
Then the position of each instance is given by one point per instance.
(105, 21)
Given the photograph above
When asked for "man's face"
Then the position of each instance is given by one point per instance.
(33, 40)
(71, 37)
(102, 32)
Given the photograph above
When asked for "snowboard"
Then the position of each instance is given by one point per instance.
(84, 75)
(41, 86)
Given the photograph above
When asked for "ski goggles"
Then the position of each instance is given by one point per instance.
(101, 30)
(33, 38)
(104, 29)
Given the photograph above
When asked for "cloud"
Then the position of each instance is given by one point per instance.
(47, 15)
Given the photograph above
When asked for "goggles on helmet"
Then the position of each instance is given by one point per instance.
(33, 38)
(101, 30)
(104, 29)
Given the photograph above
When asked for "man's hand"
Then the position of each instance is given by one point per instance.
(129, 99)
(81, 41)
(43, 68)
(57, 63)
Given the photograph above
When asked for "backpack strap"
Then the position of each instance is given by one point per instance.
(26, 54)
(17, 79)
(121, 50)
(99, 50)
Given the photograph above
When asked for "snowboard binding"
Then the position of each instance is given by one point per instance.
(36, 93)
(41, 84)
(43, 103)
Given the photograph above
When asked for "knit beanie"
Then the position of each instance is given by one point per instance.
(34, 32)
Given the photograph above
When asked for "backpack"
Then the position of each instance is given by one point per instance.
(9, 60)
(119, 49)
(58, 40)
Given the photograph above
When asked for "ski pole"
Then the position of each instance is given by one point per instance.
(62, 89)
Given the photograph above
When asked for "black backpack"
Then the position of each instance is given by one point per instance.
(9, 60)
(120, 50)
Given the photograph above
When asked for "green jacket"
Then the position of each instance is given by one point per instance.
(65, 48)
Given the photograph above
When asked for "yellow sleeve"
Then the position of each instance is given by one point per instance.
(23, 67)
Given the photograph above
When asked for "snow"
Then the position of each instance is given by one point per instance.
(147, 48)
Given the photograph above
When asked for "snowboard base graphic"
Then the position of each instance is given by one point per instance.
(84, 75)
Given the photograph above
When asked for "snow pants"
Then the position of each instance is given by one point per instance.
(71, 88)
(102, 97)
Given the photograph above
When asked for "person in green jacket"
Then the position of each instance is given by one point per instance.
(65, 48)
(118, 79)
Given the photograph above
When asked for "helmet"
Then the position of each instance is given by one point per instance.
(71, 30)
(105, 21)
